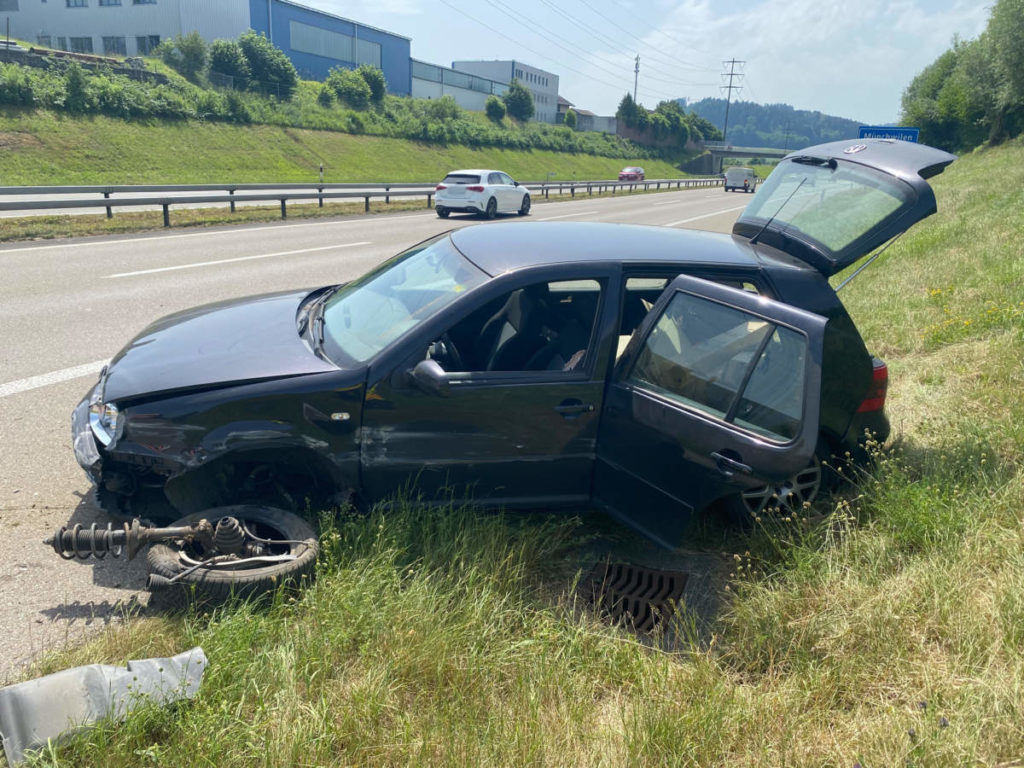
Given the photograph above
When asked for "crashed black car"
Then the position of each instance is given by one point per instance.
(645, 370)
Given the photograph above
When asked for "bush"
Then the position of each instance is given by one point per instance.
(570, 119)
(350, 87)
(237, 111)
(375, 79)
(77, 97)
(495, 108)
(15, 85)
(268, 65)
(325, 98)
(445, 108)
(186, 54)
(226, 58)
(519, 101)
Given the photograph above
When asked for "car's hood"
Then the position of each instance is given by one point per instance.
(249, 339)
(832, 204)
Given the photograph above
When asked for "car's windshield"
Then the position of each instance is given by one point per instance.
(367, 314)
(832, 204)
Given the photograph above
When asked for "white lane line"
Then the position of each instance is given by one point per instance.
(232, 231)
(705, 216)
(230, 261)
(672, 202)
(54, 377)
(567, 216)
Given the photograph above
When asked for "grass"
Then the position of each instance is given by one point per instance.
(39, 147)
(892, 634)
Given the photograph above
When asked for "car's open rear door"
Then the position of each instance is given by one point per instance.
(718, 390)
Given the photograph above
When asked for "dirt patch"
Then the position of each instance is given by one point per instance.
(17, 140)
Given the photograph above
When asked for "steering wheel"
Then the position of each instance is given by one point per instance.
(453, 352)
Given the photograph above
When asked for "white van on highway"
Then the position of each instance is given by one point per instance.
(740, 178)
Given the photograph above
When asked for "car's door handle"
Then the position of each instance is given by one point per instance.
(727, 466)
(572, 408)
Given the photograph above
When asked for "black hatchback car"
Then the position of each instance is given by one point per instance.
(645, 370)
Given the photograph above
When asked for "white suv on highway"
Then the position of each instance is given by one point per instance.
(484, 192)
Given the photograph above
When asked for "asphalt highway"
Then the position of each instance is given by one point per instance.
(67, 306)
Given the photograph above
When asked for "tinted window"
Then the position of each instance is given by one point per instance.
(461, 178)
(726, 363)
(506, 179)
(494, 178)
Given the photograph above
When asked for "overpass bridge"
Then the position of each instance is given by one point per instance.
(718, 151)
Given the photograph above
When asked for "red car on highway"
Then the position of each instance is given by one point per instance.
(632, 173)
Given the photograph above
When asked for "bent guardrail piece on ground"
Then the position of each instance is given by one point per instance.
(48, 708)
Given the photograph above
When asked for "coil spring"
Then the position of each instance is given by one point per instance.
(228, 536)
(83, 543)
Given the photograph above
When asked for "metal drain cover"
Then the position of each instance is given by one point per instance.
(632, 596)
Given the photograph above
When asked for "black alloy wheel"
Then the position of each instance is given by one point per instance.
(524, 209)
(442, 212)
(492, 208)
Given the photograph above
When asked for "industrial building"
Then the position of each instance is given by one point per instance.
(430, 81)
(543, 85)
(314, 41)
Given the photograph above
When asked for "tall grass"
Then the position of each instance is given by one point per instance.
(890, 634)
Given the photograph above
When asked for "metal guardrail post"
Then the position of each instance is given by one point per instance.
(321, 198)
(429, 195)
(545, 193)
(366, 205)
(232, 193)
(167, 215)
(284, 210)
(110, 213)
(572, 190)
(387, 195)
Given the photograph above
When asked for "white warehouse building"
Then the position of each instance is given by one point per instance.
(542, 84)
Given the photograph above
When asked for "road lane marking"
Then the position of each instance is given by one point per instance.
(231, 261)
(567, 216)
(232, 231)
(54, 377)
(705, 216)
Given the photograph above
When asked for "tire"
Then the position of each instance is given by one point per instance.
(442, 212)
(212, 586)
(788, 497)
(492, 208)
(524, 209)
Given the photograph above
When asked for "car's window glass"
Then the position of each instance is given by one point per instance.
(505, 178)
(641, 293)
(367, 314)
(726, 363)
(547, 326)
(461, 178)
(832, 206)
(494, 178)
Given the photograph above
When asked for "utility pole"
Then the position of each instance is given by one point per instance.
(731, 74)
(636, 75)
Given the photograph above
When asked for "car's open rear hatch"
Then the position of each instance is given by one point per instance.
(831, 204)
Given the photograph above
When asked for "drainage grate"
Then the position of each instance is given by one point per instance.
(634, 597)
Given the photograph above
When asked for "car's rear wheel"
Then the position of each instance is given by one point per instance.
(492, 208)
(524, 209)
(442, 211)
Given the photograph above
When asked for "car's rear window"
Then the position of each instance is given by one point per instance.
(461, 178)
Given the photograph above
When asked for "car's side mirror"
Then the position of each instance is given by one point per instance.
(429, 376)
(515, 183)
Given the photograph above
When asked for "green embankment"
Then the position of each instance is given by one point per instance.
(41, 147)
(891, 633)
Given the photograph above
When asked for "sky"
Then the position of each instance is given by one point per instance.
(851, 58)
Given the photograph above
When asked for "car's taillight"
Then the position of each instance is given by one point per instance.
(875, 398)
(475, 188)
(439, 187)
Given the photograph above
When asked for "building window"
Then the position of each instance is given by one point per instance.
(114, 46)
(144, 44)
(110, 2)
(77, 3)
(143, 2)
(8, 5)
(45, 40)
(80, 44)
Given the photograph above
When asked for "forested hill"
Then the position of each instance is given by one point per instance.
(773, 125)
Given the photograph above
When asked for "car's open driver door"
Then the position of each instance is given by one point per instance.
(718, 390)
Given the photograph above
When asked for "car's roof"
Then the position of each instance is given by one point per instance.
(472, 171)
(498, 248)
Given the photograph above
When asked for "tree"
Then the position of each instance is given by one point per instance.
(519, 101)
(495, 108)
(350, 87)
(627, 111)
(375, 79)
(268, 64)
(570, 119)
(187, 54)
(226, 58)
